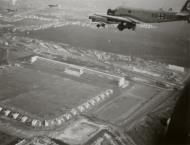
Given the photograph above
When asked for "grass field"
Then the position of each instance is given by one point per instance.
(126, 103)
(118, 108)
(44, 91)
(142, 91)
(43, 94)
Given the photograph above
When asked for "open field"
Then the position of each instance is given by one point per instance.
(117, 108)
(142, 91)
(127, 101)
(43, 90)
(55, 93)
(51, 95)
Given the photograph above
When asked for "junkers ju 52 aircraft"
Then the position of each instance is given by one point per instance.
(128, 18)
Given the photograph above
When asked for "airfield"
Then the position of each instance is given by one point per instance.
(53, 94)
(56, 93)
(48, 89)
(43, 97)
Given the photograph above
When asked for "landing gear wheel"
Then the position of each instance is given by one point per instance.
(103, 25)
(98, 25)
(120, 27)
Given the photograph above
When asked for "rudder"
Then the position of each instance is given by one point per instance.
(186, 7)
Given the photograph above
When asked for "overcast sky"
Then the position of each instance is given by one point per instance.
(150, 4)
(144, 4)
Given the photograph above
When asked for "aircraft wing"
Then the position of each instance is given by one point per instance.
(183, 14)
(125, 19)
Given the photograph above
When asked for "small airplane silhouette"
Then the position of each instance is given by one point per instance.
(52, 6)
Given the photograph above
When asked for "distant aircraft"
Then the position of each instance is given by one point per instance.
(52, 6)
(11, 10)
(128, 18)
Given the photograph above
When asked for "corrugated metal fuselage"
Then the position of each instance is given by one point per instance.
(148, 16)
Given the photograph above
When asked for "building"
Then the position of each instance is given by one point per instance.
(46, 123)
(36, 123)
(109, 91)
(37, 141)
(15, 115)
(75, 71)
(7, 112)
(23, 119)
(84, 131)
(33, 59)
(176, 68)
(123, 82)
(58, 121)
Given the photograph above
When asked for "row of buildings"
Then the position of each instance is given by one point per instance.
(79, 109)
(37, 123)
(78, 71)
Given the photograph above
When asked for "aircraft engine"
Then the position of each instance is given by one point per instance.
(93, 19)
(110, 12)
(100, 25)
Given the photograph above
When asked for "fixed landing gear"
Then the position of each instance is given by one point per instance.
(100, 25)
(121, 27)
(129, 26)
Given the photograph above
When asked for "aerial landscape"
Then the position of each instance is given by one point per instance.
(73, 75)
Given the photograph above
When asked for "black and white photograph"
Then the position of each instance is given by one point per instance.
(94, 72)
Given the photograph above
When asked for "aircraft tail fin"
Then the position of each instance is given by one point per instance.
(186, 7)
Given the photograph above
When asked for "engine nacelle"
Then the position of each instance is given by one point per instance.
(110, 12)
